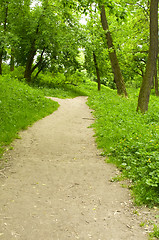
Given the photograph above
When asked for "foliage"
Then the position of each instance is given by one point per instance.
(20, 106)
(54, 80)
(125, 20)
(32, 30)
(65, 91)
(131, 141)
(155, 233)
(50, 80)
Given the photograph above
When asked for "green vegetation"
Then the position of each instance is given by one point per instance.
(59, 85)
(155, 233)
(130, 140)
(20, 106)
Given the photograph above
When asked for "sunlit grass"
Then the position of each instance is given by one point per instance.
(20, 106)
(130, 139)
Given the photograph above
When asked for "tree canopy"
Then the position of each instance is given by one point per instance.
(48, 35)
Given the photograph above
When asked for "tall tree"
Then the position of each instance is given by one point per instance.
(156, 81)
(3, 23)
(145, 89)
(121, 89)
(97, 70)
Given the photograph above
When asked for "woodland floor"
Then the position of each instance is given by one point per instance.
(56, 186)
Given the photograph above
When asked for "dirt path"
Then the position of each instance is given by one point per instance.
(58, 186)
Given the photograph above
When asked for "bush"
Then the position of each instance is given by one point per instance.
(59, 79)
(76, 78)
(50, 80)
(18, 73)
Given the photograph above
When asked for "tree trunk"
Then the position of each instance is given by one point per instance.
(30, 58)
(39, 70)
(39, 62)
(28, 68)
(12, 60)
(145, 89)
(121, 89)
(1, 54)
(5, 27)
(97, 70)
(156, 82)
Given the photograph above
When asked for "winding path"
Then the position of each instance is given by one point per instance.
(58, 186)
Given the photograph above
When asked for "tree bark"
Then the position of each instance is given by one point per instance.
(30, 58)
(39, 70)
(121, 89)
(97, 70)
(156, 83)
(39, 62)
(2, 49)
(145, 89)
(156, 79)
(12, 60)
(1, 54)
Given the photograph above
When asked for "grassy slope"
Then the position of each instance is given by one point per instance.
(130, 139)
(20, 106)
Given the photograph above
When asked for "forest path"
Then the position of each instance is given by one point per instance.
(58, 186)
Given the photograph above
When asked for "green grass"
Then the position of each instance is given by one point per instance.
(155, 233)
(67, 91)
(130, 139)
(20, 106)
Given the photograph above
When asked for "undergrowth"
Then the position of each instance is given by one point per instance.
(66, 91)
(20, 106)
(130, 139)
(155, 233)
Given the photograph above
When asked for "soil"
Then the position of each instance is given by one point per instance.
(57, 186)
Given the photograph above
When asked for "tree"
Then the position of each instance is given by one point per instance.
(3, 25)
(156, 81)
(145, 89)
(97, 70)
(121, 89)
(47, 39)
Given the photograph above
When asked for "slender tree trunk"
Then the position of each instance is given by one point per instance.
(121, 89)
(12, 60)
(156, 77)
(1, 54)
(39, 62)
(2, 49)
(156, 83)
(145, 89)
(30, 58)
(97, 70)
(39, 70)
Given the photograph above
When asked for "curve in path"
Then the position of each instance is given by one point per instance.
(58, 186)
